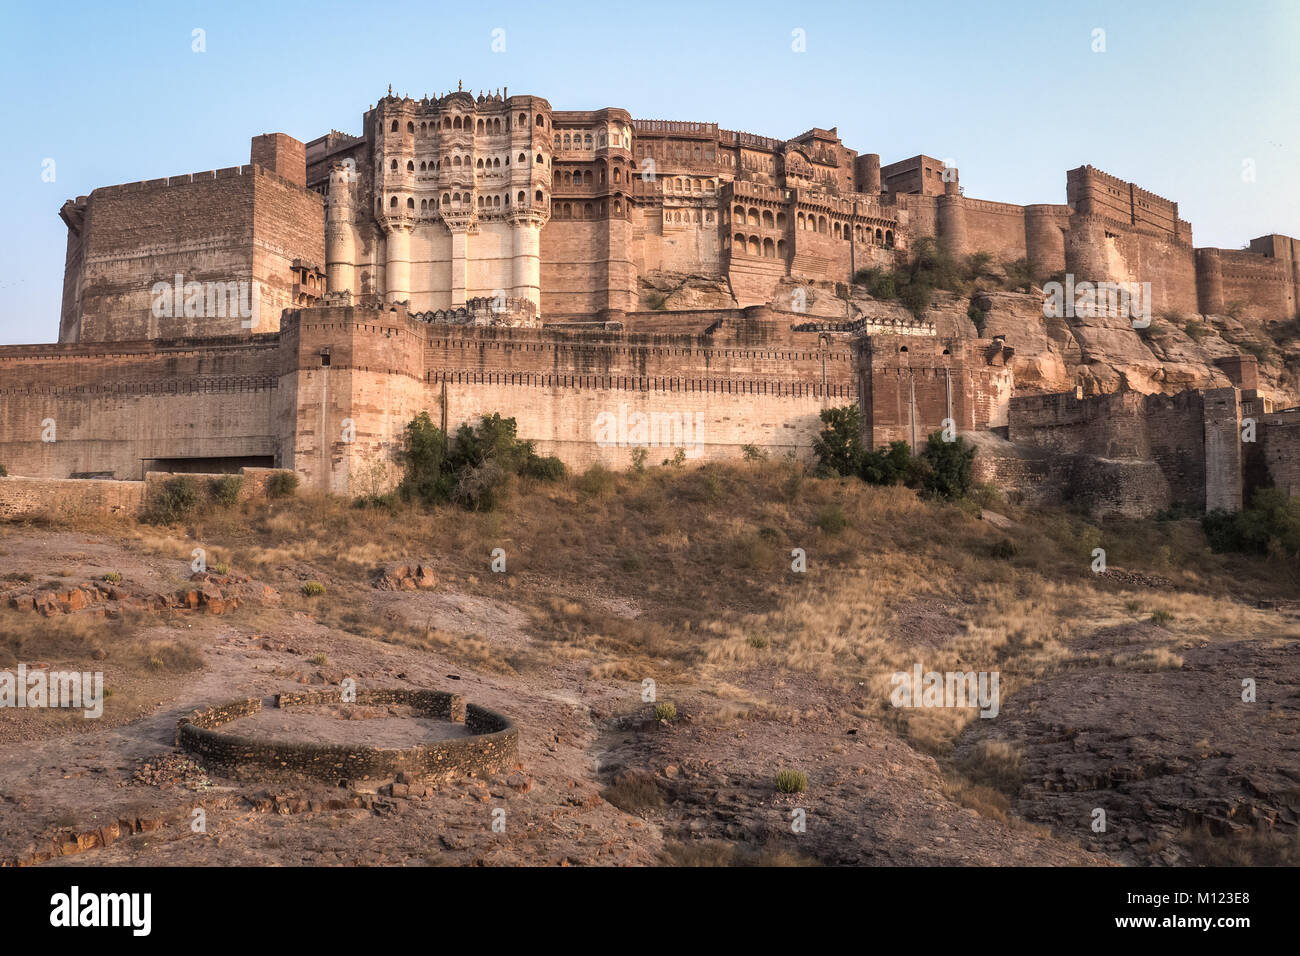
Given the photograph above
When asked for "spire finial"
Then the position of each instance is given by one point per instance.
(460, 86)
(390, 89)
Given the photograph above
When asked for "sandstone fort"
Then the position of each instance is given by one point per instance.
(477, 253)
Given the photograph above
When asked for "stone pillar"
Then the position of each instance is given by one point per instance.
(397, 272)
(1223, 459)
(528, 262)
(340, 241)
(459, 264)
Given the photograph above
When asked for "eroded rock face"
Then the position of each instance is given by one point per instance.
(210, 593)
(1107, 354)
(674, 291)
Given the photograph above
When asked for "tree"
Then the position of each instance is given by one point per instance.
(888, 466)
(839, 446)
(424, 454)
(945, 467)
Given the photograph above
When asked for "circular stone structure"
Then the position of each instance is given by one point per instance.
(481, 741)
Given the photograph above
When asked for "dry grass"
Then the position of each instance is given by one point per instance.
(704, 556)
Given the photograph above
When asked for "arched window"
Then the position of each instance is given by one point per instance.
(586, 177)
(424, 205)
(496, 162)
(539, 195)
(446, 199)
(821, 224)
(539, 159)
(566, 140)
(410, 204)
(587, 141)
(446, 122)
(889, 239)
(410, 166)
(455, 160)
(556, 178)
(769, 249)
(588, 212)
(768, 221)
(780, 248)
(618, 206)
(496, 202)
(394, 126)
(521, 197)
(392, 203)
(478, 127)
(410, 127)
(455, 123)
(780, 220)
(753, 216)
(880, 237)
(523, 158)
(754, 248)
(523, 119)
(540, 121)
(479, 164)
(557, 140)
(618, 175)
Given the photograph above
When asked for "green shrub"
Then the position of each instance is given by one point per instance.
(1004, 549)
(385, 502)
(547, 468)
(313, 589)
(978, 317)
(320, 660)
(1020, 275)
(481, 487)
(1161, 617)
(282, 484)
(832, 519)
(596, 482)
(113, 577)
(4, 472)
(639, 456)
(888, 466)
(758, 642)
(839, 446)
(945, 467)
(225, 490)
(176, 500)
(678, 459)
(791, 781)
(1269, 525)
(753, 453)
(475, 469)
(221, 568)
(665, 711)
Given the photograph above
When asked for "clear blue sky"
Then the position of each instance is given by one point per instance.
(1011, 91)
